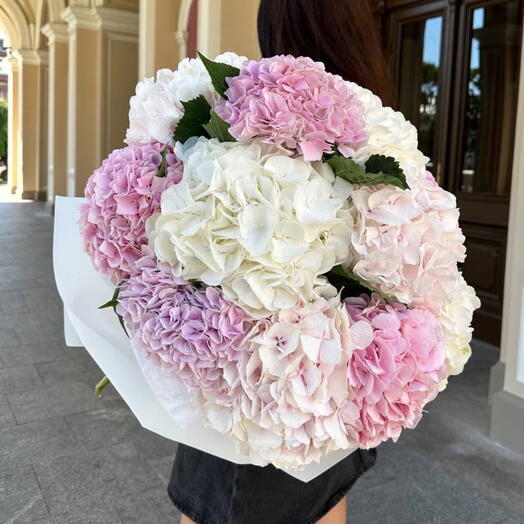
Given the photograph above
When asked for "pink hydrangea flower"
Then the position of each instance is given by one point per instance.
(120, 196)
(407, 243)
(294, 383)
(295, 104)
(396, 374)
(195, 332)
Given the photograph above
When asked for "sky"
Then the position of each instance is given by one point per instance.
(433, 35)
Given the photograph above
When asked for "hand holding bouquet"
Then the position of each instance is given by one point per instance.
(278, 246)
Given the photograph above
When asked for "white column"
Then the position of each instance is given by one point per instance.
(57, 35)
(507, 413)
(209, 27)
(14, 176)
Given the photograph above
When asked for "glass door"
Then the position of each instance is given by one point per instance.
(481, 156)
(456, 68)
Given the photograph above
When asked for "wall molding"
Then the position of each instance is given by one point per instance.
(496, 380)
(507, 421)
(27, 57)
(100, 18)
(56, 32)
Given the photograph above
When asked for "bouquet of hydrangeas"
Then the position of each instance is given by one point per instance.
(279, 248)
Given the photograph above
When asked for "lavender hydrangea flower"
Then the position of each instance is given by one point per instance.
(194, 331)
(120, 196)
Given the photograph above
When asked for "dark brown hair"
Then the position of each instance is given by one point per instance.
(340, 33)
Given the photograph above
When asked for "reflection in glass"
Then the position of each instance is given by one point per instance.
(419, 79)
(491, 99)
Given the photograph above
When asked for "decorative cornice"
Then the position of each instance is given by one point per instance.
(118, 20)
(56, 32)
(100, 18)
(43, 57)
(27, 57)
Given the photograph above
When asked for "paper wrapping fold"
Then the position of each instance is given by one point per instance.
(82, 290)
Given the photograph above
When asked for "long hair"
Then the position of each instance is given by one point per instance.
(340, 33)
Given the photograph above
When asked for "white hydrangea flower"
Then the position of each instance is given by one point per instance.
(157, 107)
(390, 134)
(263, 227)
(455, 318)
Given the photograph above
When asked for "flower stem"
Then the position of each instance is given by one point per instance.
(101, 385)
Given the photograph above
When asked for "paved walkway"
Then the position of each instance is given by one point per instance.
(68, 457)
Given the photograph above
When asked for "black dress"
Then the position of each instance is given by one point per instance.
(211, 490)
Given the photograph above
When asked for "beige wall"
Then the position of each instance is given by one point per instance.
(239, 27)
(120, 74)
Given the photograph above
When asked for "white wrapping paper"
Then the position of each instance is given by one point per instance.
(82, 290)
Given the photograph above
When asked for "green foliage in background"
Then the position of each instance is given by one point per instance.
(3, 130)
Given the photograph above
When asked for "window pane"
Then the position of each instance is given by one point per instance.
(491, 102)
(419, 79)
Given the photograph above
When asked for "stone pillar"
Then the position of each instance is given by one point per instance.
(507, 377)
(57, 35)
(102, 75)
(30, 109)
(14, 176)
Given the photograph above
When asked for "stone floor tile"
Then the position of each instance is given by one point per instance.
(20, 497)
(116, 424)
(97, 513)
(8, 284)
(21, 354)
(8, 337)
(35, 329)
(79, 366)
(12, 301)
(58, 400)
(153, 506)
(6, 415)
(395, 502)
(458, 500)
(41, 298)
(18, 378)
(82, 479)
(27, 443)
(163, 466)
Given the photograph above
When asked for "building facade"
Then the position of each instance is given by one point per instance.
(72, 66)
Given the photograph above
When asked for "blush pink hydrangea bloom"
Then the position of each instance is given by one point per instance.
(195, 332)
(396, 374)
(296, 105)
(407, 243)
(294, 383)
(120, 196)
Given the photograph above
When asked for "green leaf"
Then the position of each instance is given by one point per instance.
(383, 164)
(113, 303)
(352, 284)
(349, 170)
(114, 300)
(162, 168)
(386, 165)
(196, 114)
(121, 320)
(218, 128)
(218, 73)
